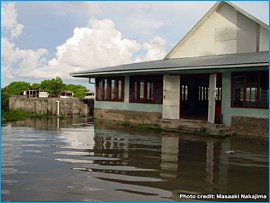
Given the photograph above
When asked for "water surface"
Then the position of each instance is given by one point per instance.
(77, 160)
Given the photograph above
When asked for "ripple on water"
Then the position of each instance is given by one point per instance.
(82, 162)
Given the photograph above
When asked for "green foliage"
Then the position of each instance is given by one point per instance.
(46, 85)
(17, 88)
(54, 86)
(126, 124)
(19, 114)
(57, 86)
(39, 116)
(4, 101)
(143, 126)
(35, 86)
(14, 115)
(157, 129)
(14, 88)
(62, 117)
(78, 90)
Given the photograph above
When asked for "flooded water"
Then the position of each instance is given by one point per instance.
(77, 160)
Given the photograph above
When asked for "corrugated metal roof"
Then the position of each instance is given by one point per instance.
(191, 63)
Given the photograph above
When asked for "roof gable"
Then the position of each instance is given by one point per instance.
(224, 29)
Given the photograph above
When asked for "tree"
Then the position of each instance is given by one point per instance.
(35, 86)
(54, 86)
(78, 90)
(46, 85)
(57, 86)
(17, 88)
(14, 88)
(4, 101)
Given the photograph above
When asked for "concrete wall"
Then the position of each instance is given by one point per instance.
(133, 117)
(70, 106)
(250, 126)
(226, 31)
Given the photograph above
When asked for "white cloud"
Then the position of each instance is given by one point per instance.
(26, 60)
(9, 20)
(142, 20)
(96, 45)
(155, 49)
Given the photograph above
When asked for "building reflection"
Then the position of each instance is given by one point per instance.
(52, 123)
(189, 164)
(196, 166)
(176, 163)
(169, 157)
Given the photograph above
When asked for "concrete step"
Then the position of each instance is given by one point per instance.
(194, 126)
(230, 133)
(219, 125)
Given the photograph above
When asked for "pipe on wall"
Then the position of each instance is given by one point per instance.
(58, 109)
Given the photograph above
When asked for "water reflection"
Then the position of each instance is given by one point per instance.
(77, 160)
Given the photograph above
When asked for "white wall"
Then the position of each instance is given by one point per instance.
(226, 31)
(264, 39)
(246, 34)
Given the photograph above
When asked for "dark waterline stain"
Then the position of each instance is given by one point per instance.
(77, 159)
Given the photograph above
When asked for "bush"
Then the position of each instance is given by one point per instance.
(4, 101)
(16, 115)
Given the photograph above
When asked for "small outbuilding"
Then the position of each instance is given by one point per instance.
(90, 95)
(35, 93)
(219, 72)
(67, 94)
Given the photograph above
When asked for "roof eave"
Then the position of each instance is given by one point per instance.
(225, 66)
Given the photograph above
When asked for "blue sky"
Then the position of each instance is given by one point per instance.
(42, 40)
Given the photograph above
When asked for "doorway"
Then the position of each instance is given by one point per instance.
(194, 97)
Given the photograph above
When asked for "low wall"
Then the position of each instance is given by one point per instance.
(67, 106)
(133, 117)
(250, 126)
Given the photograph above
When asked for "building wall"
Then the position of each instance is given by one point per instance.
(226, 31)
(127, 108)
(228, 111)
(126, 105)
(264, 39)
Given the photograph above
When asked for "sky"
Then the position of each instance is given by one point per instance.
(44, 39)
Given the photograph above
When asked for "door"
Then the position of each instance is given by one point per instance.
(212, 98)
(171, 96)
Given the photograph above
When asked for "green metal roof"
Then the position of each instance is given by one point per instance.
(255, 59)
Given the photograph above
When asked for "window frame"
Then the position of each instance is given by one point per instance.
(145, 77)
(244, 89)
(117, 78)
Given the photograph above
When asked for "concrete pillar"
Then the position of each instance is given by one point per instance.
(58, 108)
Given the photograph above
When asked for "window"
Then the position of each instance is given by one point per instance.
(203, 93)
(184, 93)
(110, 89)
(250, 89)
(218, 93)
(146, 89)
